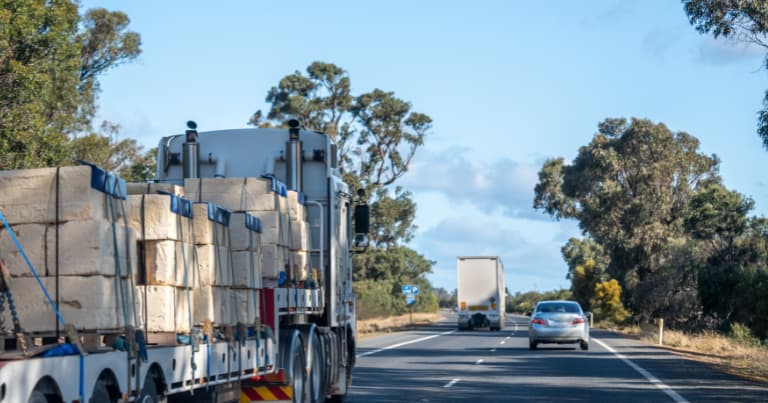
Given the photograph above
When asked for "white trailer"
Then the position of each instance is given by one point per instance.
(481, 292)
(298, 346)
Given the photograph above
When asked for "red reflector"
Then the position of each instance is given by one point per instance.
(257, 378)
(578, 321)
(538, 321)
(278, 377)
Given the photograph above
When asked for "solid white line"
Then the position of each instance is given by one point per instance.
(405, 343)
(478, 362)
(654, 380)
(451, 383)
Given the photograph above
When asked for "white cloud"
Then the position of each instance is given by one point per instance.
(530, 260)
(503, 185)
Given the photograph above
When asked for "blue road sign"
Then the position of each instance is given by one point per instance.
(407, 289)
(415, 290)
(410, 299)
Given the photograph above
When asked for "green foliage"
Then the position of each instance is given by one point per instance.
(587, 264)
(50, 60)
(445, 299)
(743, 335)
(741, 20)
(525, 302)
(629, 190)
(606, 304)
(126, 156)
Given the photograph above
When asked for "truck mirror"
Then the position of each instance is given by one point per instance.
(362, 219)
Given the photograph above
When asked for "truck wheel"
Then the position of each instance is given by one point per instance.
(37, 397)
(292, 358)
(149, 393)
(584, 345)
(316, 369)
(533, 345)
(101, 394)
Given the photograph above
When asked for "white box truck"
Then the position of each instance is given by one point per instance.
(481, 292)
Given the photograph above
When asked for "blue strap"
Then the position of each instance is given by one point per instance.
(82, 378)
(32, 269)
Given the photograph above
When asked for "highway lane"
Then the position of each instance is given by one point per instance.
(440, 364)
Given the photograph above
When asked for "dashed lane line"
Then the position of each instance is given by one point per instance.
(405, 343)
(652, 379)
(451, 383)
(478, 362)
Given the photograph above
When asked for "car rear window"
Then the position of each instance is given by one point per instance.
(548, 307)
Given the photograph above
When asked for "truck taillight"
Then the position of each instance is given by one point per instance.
(463, 305)
(537, 321)
(578, 321)
(493, 306)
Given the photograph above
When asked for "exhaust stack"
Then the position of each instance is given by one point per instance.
(191, 152)
(294, 162)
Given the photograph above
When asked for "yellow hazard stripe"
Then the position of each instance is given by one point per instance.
(265, 393)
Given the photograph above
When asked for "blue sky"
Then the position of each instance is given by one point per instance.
(507, 83)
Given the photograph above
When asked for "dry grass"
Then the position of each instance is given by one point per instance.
(374, 326)
(723, 352)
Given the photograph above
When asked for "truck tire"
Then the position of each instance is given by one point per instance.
(37, 397)
(317, 368)
(149, 392)
(292, 359)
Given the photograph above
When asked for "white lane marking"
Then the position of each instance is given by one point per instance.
(403, 344)
(493, 350)
(451, 383)
(515, 327)
(478, 362)
(503, 341)
(652, 379)
(508, 337)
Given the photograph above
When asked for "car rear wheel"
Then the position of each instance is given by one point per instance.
(584, 345)
(532, 344)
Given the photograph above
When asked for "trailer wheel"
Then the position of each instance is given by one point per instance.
(101, 393)
(149, 392)
(37, 397)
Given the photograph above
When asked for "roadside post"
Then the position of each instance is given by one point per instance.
(661, 331)
(410, 292)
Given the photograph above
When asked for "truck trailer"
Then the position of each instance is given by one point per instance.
(481, 292)
(226, 279)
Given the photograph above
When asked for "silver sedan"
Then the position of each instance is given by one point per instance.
(561, 322)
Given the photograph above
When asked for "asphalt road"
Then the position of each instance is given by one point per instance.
(440, 364)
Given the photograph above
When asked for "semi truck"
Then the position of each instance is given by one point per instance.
(481, 292)
(175, 318)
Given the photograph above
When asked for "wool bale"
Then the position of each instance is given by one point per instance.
(87, 248)
(138, 188)
(167, 262)
(246, 269)
(32, 238)
(274, 227)
(31, 195)
(90, 303)
(214, 265)
(274, 260)
(212, 303)
(235, 194)
(208, 232)
(159, 222)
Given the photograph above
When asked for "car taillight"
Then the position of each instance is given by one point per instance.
(578, 321)
(538, 321)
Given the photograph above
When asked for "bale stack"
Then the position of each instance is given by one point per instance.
(263, 198)
(213, 299)
(64, 219)
(245, 230)
(163, 223)
(299, 239)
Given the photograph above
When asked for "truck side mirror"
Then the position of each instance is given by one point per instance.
(362, 225)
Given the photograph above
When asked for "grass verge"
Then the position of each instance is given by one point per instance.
(370, 327)
(724, 353)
